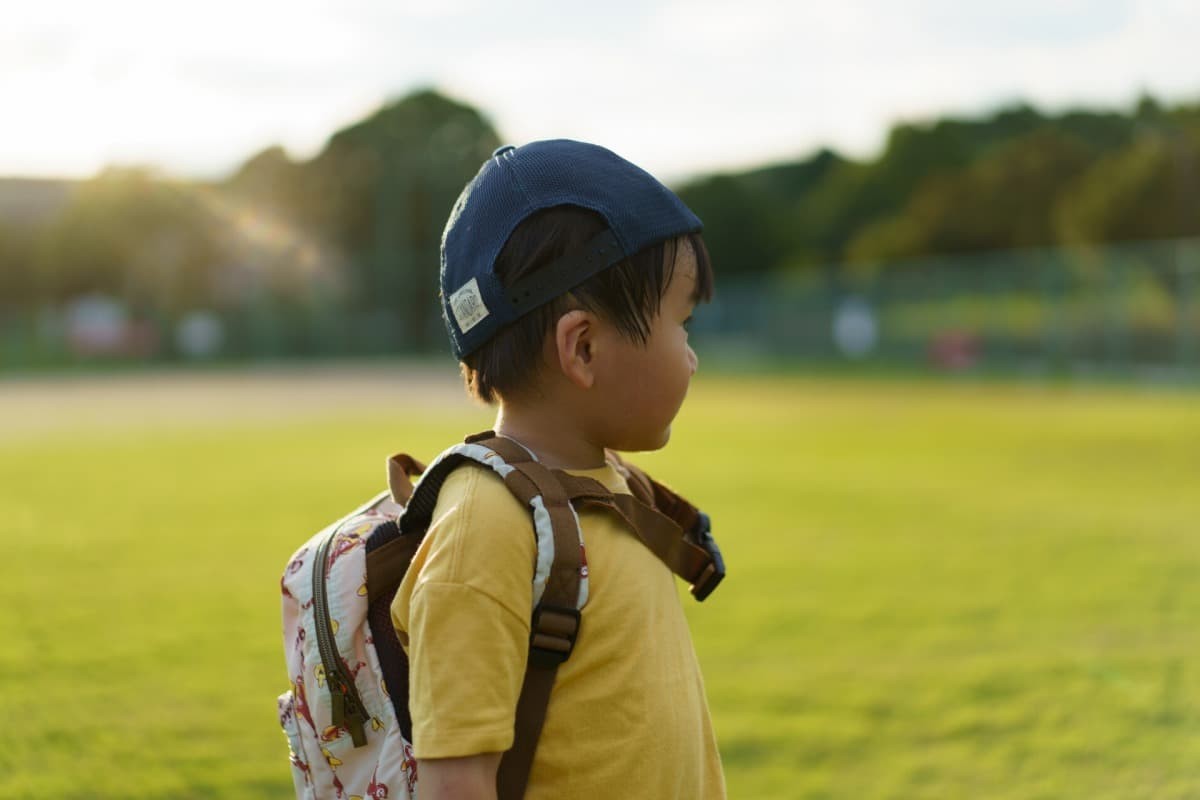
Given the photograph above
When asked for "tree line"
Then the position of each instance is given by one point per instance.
(1015, 178)
(358, 225)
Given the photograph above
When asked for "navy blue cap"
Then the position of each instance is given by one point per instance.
(518, 181)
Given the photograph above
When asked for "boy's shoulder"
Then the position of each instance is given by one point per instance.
(479, 538)
(482, 535)
(472, 491)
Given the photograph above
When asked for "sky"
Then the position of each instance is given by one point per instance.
(682, 87)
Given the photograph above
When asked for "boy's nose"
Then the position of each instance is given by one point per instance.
(693, 361)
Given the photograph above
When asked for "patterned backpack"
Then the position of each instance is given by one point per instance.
(346, 715)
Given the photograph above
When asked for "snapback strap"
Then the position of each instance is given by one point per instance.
(564, 274)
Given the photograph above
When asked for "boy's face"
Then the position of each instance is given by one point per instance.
(646, 384)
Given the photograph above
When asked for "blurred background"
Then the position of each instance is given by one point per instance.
(910, 184)
(945, 419)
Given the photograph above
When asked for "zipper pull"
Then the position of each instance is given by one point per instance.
(337, 701)
(355, 720)
(346, 714)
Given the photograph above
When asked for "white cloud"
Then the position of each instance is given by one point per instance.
(679, 86)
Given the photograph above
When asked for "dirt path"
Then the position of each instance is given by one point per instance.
(35, 405)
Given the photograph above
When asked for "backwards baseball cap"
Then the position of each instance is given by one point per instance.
(518, 181)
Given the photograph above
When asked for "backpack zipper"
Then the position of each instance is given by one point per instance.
(347, 706)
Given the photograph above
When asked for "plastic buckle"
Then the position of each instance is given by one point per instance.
(552, 634)
(714, 573)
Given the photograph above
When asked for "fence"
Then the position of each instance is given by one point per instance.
(1128, 308)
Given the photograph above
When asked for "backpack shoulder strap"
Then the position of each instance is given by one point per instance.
(559, 588)
(671, 527)
(555, 623)
(696, 526)
(654, 494)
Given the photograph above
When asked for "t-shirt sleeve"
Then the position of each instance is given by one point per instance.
(464, 610)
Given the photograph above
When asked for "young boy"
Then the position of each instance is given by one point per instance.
(568, 279)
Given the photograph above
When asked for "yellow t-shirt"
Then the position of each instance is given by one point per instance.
(628, 716)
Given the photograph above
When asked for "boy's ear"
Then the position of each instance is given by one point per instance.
(574, 339)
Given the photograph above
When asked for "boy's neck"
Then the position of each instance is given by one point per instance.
(556, 439)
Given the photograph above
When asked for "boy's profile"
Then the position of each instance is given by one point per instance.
(568, 279)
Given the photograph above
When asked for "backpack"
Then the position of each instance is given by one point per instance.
(346, 715)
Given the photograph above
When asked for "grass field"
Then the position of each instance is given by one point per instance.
(936, 590)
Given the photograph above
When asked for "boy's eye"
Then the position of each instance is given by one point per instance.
(687, 323)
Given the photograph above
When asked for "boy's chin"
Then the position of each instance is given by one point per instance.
(645, 442)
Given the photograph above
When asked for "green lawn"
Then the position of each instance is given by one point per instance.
(936, 590)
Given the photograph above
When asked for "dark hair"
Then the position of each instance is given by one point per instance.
(628, 294)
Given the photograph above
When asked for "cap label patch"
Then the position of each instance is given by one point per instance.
(467, 305)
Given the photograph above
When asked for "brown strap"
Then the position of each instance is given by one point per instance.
(513, 775)
(662, 534)
(507, 449)
(639, 482)
(697, 532)
(658, 516)
(552, 637)
(580, 487)
(402, 468)
(555, 623)
(562, 584)
(653, 493)
(530, 479)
